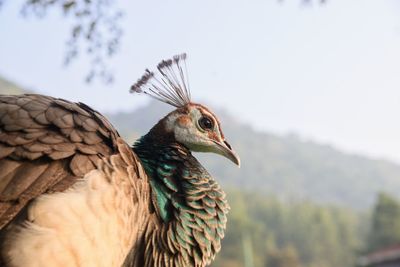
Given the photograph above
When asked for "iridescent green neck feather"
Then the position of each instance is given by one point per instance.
(188, 201)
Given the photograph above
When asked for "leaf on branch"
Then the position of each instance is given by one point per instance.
(68, 6)
(95, 31)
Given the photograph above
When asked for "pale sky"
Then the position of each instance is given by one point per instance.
(330, 73)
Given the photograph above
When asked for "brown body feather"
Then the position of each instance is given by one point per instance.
(46, 144)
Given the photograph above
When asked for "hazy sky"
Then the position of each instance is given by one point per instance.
(330, 73)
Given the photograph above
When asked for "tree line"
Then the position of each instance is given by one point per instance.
(264, 231)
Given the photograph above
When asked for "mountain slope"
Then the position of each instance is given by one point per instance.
(9, 88)
(284, 165)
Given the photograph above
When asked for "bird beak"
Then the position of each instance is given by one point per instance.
(225, 149)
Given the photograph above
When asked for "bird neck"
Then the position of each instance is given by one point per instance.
(188, 200)
(163, 163)
(168, 163)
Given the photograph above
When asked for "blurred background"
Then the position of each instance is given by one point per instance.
(308, 93)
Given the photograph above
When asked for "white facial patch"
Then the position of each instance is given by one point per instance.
(190, 133)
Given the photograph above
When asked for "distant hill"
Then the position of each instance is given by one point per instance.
(9, 88)
(286, 166)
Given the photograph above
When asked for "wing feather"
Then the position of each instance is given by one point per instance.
(46, 144)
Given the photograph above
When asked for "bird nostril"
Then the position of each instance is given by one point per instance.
(228, 145)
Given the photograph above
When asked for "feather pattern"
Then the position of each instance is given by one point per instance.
(189, 201)
(51, 145)
(42, 140)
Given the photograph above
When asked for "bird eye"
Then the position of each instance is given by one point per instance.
(206, 123)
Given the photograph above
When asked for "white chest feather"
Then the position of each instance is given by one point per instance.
(89, 225)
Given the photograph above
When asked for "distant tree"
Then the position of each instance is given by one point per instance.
(264, 231)
(385, 226)
(95, 29)
(286, 257)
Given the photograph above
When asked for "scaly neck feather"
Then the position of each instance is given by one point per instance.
(189, 202)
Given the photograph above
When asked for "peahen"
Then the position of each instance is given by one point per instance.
(73, 193)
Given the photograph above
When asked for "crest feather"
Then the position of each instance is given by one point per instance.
(169, 84)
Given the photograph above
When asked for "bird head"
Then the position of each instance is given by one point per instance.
(192, 125)
(197, 128)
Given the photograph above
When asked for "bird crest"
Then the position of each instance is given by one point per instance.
(169, 84)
